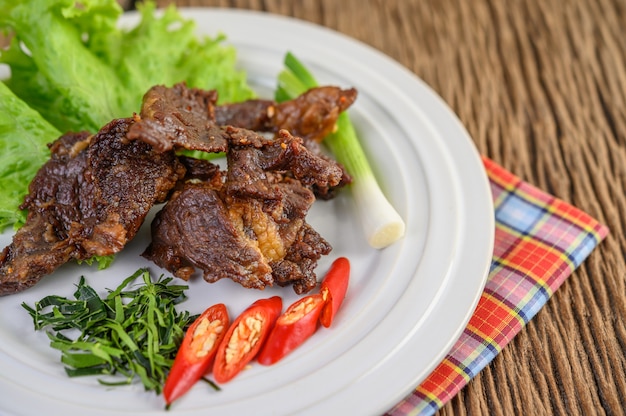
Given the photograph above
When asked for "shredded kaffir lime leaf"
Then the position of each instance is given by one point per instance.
(132, 333)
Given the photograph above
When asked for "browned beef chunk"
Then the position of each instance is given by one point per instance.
(250, 157)
(253, 222)
(89, 199)
(179, 117)
(254, 115)
(311, 116)
(187, 118)
(298, 265)
(128, 178)
(200, 170)
(40, 246)
(194, 230)
(273, 210)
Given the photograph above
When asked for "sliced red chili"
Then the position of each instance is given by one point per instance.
(196, 352)
(292, 328)
(245, 337)
(334, 288)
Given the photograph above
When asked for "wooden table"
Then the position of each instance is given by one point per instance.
(541, 87)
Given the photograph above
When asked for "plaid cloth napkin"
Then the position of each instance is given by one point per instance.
(539, 242)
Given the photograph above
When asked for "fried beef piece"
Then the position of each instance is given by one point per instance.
(194, 230)
(252, 223)
(179, 117)
(250, 156)
(89, 199)
(129, 178)
(200, 170)
(253, 114)
(298, 265)
(39, 246)
(311, 116)
(182, 117)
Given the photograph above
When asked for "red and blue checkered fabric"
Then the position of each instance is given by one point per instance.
(539, 241)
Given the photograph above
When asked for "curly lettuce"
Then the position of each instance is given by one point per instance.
(23, 137)
(74, 68)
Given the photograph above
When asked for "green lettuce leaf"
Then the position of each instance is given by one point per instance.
(58, 75)
(73, 63)
(24, 135)
(167, 50)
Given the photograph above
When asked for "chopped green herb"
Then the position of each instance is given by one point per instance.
(133, 332)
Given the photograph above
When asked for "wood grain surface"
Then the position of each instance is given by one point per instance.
(541, 87)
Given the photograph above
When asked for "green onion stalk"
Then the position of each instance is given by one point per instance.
(381, 223)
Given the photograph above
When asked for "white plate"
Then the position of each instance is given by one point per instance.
(407, 304)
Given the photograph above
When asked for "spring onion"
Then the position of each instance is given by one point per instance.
(380, 221)
(133, 332)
